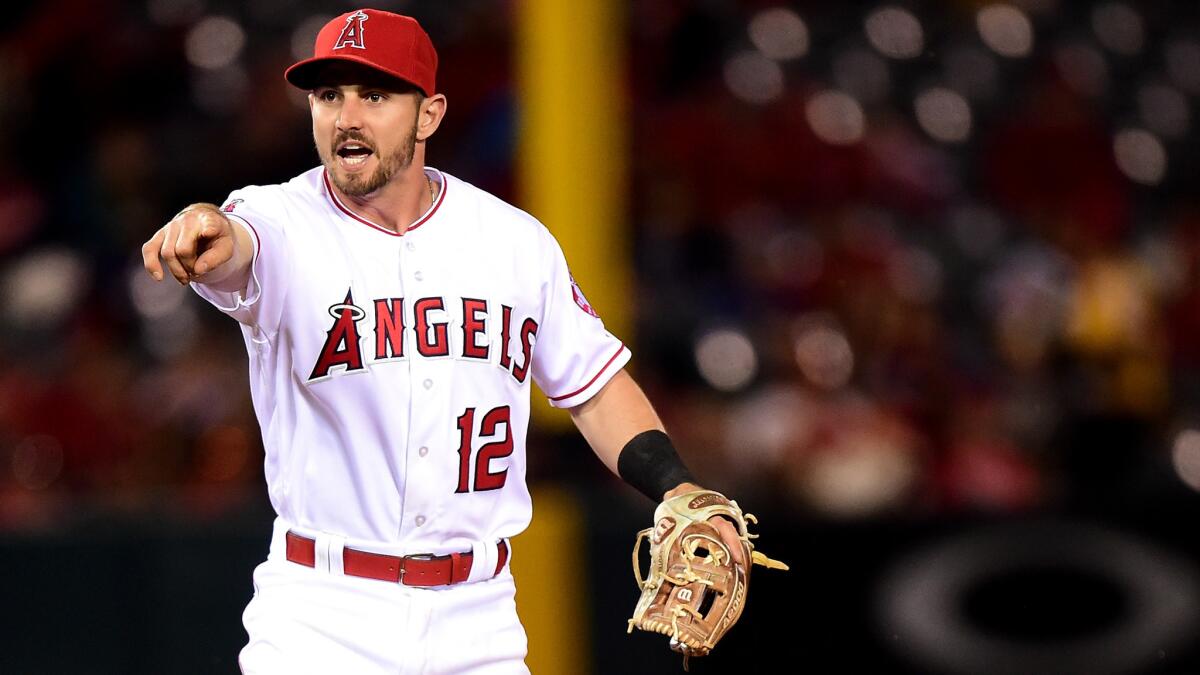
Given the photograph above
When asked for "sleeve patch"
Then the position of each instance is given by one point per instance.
(580, 300)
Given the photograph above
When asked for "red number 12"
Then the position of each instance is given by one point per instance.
(484, 478)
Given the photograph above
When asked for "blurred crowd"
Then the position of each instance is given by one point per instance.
(889, 260)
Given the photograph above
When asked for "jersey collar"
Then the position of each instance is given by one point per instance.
(437, 176)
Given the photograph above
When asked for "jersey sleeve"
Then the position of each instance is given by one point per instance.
(260, 304)
(574, 355)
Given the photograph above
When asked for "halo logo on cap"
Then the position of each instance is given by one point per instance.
(352, 33)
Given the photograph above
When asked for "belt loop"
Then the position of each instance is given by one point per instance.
(321, 552)
(504, 550)
(336, 546)
(483, 560)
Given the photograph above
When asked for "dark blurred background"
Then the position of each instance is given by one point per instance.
(916, 282)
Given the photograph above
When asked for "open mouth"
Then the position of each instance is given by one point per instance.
(353, 153)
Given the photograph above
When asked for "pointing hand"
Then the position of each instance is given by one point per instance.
(196, 241)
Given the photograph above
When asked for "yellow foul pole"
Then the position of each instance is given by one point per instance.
(571, 169)
(573, 146)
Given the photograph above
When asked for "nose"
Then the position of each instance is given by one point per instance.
(350, 114)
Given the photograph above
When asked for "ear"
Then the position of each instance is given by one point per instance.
(429, 116)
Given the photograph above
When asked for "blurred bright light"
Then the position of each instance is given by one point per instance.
(823, 354)
(1164, 109)
(863, 473)
(754, 78)
(895, 32)
(977, 230)
(1185, 455)
(154, 299)
(726, 359)
(43, 287)
(221, 91)
(174, 12)
(779, 34)
(1082, 67)
(943, 114)
(1183, 64)
(1119, 28)
(305, 35)
(762, 427)
(1006, 30)
(214, 42)
(37, 461)
(972, 71)
(863, 74)
(836, 118)
(1140, 156)
(915, 275)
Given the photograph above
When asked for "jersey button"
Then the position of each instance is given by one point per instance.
(418, 276)
(410, 246)
(420, 520)
(423, 451)
(428, 384)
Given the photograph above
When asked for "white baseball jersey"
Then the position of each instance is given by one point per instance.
(390, 373)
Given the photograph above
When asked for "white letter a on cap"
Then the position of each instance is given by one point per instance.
(352, 34)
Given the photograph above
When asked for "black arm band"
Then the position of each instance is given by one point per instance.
(650, 464)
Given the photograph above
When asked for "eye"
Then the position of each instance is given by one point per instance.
(375, 97)
(326, 95)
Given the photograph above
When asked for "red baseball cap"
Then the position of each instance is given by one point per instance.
(390, 43)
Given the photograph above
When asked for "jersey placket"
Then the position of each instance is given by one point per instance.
(424, 442)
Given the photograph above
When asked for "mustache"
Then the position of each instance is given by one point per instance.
(351, 136)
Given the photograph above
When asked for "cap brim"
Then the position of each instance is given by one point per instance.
(303, 73)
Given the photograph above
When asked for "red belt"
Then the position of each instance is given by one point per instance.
(412, 570)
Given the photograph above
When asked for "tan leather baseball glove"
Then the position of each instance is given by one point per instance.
(694, 592)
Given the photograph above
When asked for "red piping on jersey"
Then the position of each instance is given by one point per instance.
(428, 214)
(594, 378)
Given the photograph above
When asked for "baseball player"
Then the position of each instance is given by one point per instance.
(394, 317)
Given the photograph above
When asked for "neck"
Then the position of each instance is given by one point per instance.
(397, 205)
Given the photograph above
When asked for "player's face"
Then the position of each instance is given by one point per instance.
(365, 130)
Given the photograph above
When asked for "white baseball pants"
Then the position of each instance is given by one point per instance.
(304, 620)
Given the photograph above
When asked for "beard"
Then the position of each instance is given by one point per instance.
(358, 185)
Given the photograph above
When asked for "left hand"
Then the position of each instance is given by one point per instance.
(729, 535)
(729, 532)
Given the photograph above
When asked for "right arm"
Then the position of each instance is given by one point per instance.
(201, 244)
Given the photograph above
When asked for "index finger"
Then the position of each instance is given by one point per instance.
(150, 251)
